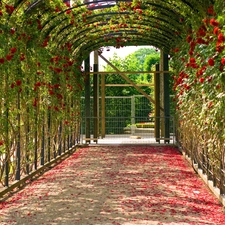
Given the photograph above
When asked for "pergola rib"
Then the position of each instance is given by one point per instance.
(149, 20)
(127, 13)
(144, 22)
(166, 32)
(82, 33)
(79, 41)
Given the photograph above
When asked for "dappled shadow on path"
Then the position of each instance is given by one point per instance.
(116, 185)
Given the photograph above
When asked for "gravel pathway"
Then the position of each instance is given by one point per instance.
(116, 185)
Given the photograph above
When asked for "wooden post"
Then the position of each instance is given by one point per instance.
(18, 150)
(87, 98)
(157, 103)
(166, 98)
(161, 66)
(96, 97)
(103, 105)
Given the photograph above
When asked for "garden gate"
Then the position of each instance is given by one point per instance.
(128, 119)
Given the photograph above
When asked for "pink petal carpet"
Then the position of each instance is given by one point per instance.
(116, 185)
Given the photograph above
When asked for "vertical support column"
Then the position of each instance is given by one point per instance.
(7, 155)
(162, 119)
(221, 174)
(36, 140)
(166, 97)
(103, 105)
(49, 135)
(96, 97)
(18, 140)
(43, 142)
(133, 114)
(87, 99)
(157, 103)
(27, 154)
(60, 139)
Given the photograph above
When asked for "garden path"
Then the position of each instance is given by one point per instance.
(116, 185)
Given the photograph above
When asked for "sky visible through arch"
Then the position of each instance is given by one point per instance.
(121, 52)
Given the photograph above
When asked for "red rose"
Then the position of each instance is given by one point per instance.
(1, 142)
(216, 30)
(214, 23)
(219, 48)
(9, 57)
(66, 122)
(18, 82)
(211, 62)
(201, 31)
(201, 80)
(12, 30)
(2, 60)
(9, 9)
(211, 10)
(22, 57)
(192, 60)
(13, 50)
(38, 84)
(223, 61)
(220, 37)
(12, 85)
(190, 52)
(50, 92)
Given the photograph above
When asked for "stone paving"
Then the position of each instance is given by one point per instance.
(116, 185)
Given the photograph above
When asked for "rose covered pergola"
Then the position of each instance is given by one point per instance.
(88, 25)
(44, 42)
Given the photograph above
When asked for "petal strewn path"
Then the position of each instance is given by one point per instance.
(116, 186)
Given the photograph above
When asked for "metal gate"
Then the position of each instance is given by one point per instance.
(127, 120)
(138, 133)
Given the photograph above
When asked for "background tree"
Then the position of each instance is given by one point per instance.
(141, 60)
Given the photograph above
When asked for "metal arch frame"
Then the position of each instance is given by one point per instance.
(81, 39)
(128, 32)
(120, 13)
(87, 18)
(143, 41)
(164, 31)
(144, 23)
(166, 12)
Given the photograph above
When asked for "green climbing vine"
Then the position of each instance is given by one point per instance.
(199, 83)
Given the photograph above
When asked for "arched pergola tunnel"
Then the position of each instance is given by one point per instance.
(121, 23)
(43, 45)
